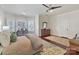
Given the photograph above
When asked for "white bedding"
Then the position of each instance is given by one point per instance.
(62, 41)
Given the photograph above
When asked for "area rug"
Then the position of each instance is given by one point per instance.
(53, 51)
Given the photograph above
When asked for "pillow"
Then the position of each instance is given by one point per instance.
(21, 47)
(35, 40)
(5, 38)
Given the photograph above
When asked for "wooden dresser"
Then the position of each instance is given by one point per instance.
(45, 32)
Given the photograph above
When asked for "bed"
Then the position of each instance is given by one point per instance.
(61, 42)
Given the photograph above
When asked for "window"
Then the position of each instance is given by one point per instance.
(21, 24)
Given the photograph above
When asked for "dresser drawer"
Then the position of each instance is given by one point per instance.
(45, 32)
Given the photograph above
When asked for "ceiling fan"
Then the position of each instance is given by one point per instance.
(51, 8)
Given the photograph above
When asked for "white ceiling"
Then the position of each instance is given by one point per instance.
(33, 9)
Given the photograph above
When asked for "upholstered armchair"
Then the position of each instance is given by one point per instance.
(23, 46)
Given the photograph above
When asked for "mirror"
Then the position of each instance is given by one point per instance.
(44, 24)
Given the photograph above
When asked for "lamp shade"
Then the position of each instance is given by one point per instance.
(6, 28)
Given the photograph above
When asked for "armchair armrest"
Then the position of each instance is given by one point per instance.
(39, 50)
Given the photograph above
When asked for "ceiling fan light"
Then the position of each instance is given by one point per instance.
(23, 13)
(50, 10)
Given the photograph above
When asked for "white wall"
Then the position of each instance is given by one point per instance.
(1, 19)
(66, 24)
(53, 25)
(37, 25)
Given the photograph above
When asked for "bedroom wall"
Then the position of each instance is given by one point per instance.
(66, 24)
(53, 25)
(1, 19)
(37, 25)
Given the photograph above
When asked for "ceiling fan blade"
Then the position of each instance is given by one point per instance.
(45, 5)
(55, 7)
